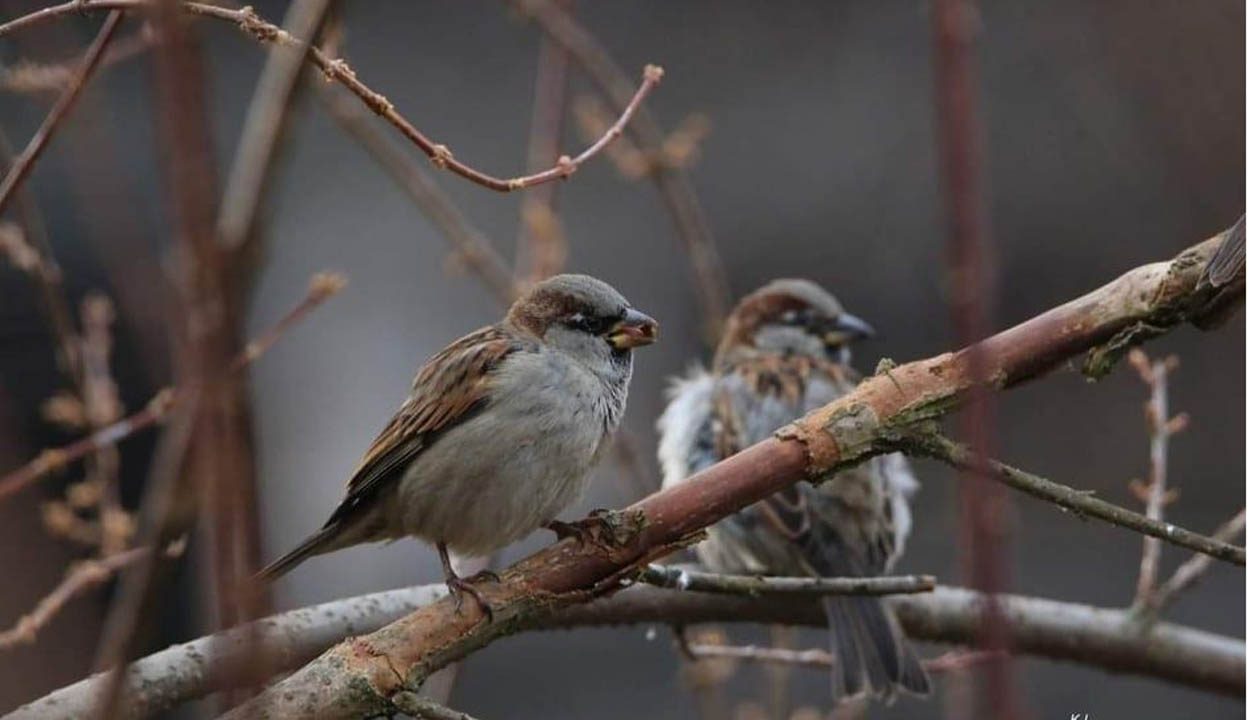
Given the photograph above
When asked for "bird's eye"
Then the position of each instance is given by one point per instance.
(588, 324)
(789, 316)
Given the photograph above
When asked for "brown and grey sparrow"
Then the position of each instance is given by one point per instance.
(500, 431)
(786, 351)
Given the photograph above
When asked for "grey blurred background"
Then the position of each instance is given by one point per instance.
(1114, 135)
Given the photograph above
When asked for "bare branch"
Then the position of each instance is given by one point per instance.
(24, 162)
(541, 248)
(78, 579)
(1192, 569)
(1091, 636)
(1160, 428)
(423, 707)
(338, 71)
(25, 76)
(679, 578)
(868, 421)
(266, 116)
(320, 288)
(1081, 503)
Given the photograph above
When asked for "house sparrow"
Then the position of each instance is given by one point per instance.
(499, 432)
(785, 352)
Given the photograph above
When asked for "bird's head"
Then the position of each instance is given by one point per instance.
(795, 316)
(583, 317)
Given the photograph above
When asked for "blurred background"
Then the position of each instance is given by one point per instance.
(1114, 135)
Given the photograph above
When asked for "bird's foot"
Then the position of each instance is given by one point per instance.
(459, 587)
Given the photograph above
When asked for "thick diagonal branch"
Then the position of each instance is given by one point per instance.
(360, 676)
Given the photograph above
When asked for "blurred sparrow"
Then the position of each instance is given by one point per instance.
(785, 352)
(499, 432)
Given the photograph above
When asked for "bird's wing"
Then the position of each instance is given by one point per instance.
(1229, 259)
(686, 444)
(449, 389)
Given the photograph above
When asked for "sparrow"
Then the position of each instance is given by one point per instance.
(499, 432)
(785, 352)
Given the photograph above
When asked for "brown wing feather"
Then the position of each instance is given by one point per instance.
(450, 388)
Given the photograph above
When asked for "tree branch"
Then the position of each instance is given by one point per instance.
(1193, 568)
(25, 161)
(680, 578)
(338, 71)
(1095, 637)
(361, 675)
(1081, 503)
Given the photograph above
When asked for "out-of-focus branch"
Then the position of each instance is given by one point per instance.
(1160, 428)
(78, 579)
(1080, 503)
(26, 160)
(1091, 636)
(29, 249)
(698, 581)
(320, 288)
(338, 71)
(471, 248)
(672, 182)
(26, 76)
(266, 116)
(102, 407)
(360, 676)
(984, 536)
(1192, 569)
(541, 245)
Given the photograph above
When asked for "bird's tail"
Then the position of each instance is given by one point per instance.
(317, 543)
(870, 651)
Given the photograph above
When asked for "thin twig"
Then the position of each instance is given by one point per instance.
(337, 69)
(320, 288)
(420, 706)
(24, 162)
(25, 76)
(41, 265)
(102, 407)
(78, 579)
(1192, 569)
(953, 661)
(1083, 504)
(266, 116)
(541, 247)
(699, 581)
(1160, 428)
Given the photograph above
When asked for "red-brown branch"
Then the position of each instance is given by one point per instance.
(26, 161)
(360, 675)
(338, 71)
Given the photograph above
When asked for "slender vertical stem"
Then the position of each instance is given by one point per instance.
(983, 504)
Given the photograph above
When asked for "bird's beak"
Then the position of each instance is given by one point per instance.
(848, 328)
(633, 330)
